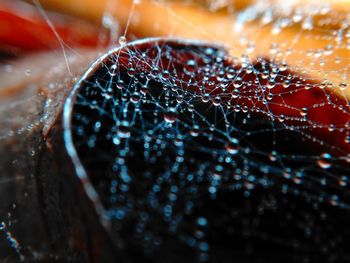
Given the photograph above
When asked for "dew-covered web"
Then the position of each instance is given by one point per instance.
(181, 140)
(197, 151)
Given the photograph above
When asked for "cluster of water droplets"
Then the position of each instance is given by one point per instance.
(168, 130)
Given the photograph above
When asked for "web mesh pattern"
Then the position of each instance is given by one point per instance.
(223, 157)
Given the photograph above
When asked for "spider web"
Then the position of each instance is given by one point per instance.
(162, 127)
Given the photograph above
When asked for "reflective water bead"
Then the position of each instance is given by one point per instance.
(232, 147)
(190, 66)
(124, 129)
(325, 161)
(170, 115)
(122, 40)
(135, 97)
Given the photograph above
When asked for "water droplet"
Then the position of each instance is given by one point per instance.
(166, 74)
(303, 112)
(191, 66)
(120, 84)
(273, 156)
(195, 130)
(238, 82)
(122, 40)
(281, 118)
(205, 97)
(325, 161)
(217, 101)
(283, 66)
(144, 89)
(286, 83)
(131, 71)
(343, 181)
(135, 97)
(170, 115)
(271, 84)
(124, 129)
(232, 147)
(343, 85)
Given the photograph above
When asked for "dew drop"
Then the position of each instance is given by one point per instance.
(191, 66)
(170, 115)
(303, 112)
(217, 101)
(144, 89)
(195, 130)
(122, 40)
(271, 84)
(325, 161)
(124, 129)
(205, 97)
(343, 85)
(343, 181)
(135, 97)
(273, 156)
(232, 146)
(120, 84)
